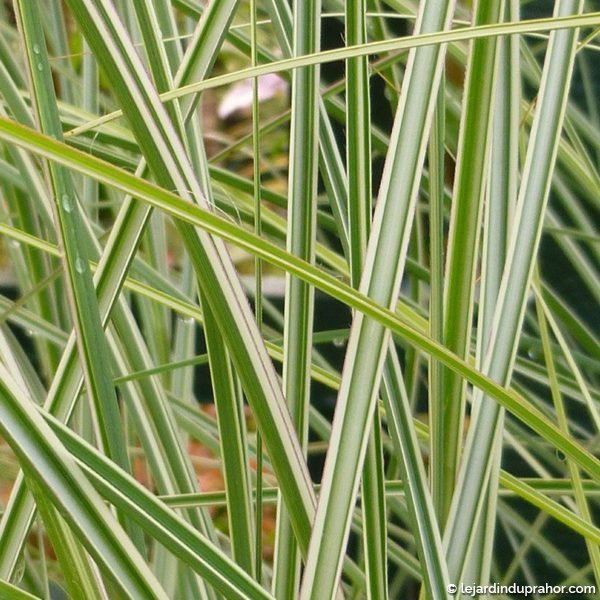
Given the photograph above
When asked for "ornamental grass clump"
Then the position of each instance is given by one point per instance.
(299, 299)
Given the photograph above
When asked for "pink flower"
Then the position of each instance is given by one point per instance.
(239, 96)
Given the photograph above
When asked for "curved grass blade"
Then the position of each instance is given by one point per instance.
(214, 270)
(93, 350)
(583, 506)
(49, 467)
(226, 396)
(171, 476)
(179, 537)
(529, 26)
(398, 324)
(81, 576)
(8, 590)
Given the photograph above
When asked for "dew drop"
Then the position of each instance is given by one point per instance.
(40, 67)
(15, 244)
(532, 353)
(339, 342)
(80, 265)
(36, 49)
(67, 203)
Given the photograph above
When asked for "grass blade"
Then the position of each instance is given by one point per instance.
(47, 466)
(299, 297)
(216, 276)
(510, 308)
(368, 341)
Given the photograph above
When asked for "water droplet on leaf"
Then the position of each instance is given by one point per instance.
(67, 203)
(80, 265)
